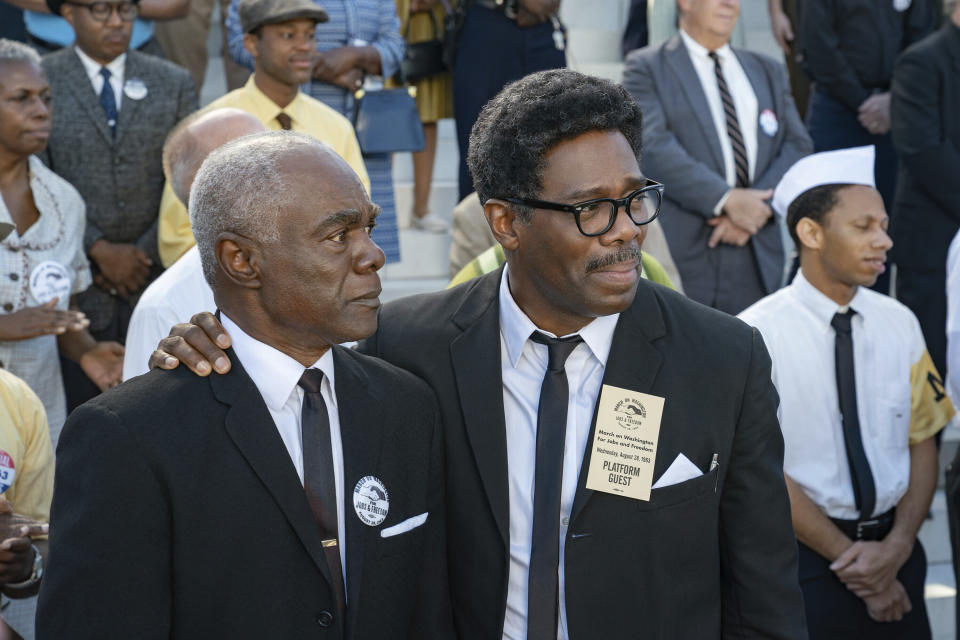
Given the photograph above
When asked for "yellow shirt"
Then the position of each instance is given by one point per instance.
(26, 457)
(308, 115)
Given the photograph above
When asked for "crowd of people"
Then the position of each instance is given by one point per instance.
(716, 415)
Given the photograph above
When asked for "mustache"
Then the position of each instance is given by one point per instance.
(624, 254)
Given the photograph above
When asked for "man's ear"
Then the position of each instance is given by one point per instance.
(66, 11)
(810, 234)
(250, 43)
(239, 258)
(502, 221)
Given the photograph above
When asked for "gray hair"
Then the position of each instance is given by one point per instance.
(240, 188)
(13, 51)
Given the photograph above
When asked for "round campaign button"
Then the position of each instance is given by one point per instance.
(7, 472)
(768, 122)
(50, 280)
(135, 89)
(371, 501)
(901, 5)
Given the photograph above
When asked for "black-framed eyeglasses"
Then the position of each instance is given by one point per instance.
(596, 217)
(101, 11)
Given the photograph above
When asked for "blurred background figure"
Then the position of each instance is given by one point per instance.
(362, 38)
(113, 110)
(784, 23)
(42, 261)
(422, 20)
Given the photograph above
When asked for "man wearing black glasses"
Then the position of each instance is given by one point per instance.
(112, 110)
(614, 461)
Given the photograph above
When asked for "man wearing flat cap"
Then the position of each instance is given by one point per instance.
(860, 404)
(280, 37)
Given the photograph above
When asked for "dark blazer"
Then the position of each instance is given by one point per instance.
(713, 557)
(120, 178)
(681, 149)
(925, 112)
(178, 513)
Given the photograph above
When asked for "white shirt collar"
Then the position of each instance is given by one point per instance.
(697, 49)
(822, 307)
(273, 372)
(516, 328)
(116, 66)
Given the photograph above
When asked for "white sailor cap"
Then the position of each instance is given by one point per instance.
(845, 166)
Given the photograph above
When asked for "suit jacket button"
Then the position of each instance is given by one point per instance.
(8, 307)
(325, 619)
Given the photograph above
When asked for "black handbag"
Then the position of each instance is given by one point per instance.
(423, 59)
(387, 121)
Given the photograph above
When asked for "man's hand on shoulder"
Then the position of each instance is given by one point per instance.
(748, 208)
(197, 344)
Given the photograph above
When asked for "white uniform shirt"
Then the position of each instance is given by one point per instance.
(744, 99)
(276, 375)
(117, 68)
(894, 401)
(953, 319)
(179, 293)
(523, 365)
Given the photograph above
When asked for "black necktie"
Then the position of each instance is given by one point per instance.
(318, 475)
(864, 491)
(286, 122)
(108, 100)
(543, 586)
(733, 125)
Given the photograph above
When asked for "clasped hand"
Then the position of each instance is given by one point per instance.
(16, 533)
(869, 570)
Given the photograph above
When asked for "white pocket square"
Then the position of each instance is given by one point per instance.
(403, 527)
(679, 471)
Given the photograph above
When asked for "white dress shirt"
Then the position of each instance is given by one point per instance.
(889, 357)
(744, 99)
(523, 365)
(953, 319)
(276, 375)
(179, 293)
(117, 68)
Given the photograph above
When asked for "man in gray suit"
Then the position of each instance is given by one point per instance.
(719, 130)
(112, 110)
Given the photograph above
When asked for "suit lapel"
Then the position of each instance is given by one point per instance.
(679, 61)
(761, 87)
(250, 426)
(633, 364)
(75, 77)
(476, 365)
(129, 107)
(361, 427)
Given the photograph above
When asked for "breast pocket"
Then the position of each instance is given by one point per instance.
(683, 492)
(892, 426)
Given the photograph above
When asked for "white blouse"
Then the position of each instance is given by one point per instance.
(47, 260)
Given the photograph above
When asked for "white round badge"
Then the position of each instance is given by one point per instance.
(7, 472)
(135, 89)
(769, 123)
(50, 280)
(371, 501)
(901, 5)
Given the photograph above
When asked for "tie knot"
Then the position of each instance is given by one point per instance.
(310, 380)
(286, 122)
(841, 321)
(105, 73)
(715, 57)
(558, 349)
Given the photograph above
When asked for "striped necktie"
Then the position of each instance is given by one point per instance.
(733, 125)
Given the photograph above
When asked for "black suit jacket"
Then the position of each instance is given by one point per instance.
(925, 112)
(177, 513)
(713, 557)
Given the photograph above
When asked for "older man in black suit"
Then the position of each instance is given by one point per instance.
(299, 496)
(112, 110)
(925, 108)
(567, 522)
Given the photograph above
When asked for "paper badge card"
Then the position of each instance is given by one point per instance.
(625, 443)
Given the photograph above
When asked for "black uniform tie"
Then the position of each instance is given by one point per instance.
(733, 125)
(543, 586)
(864, 490)
(318, 475)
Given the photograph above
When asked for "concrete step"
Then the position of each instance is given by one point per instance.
(595, 14)
(941, 587)
(443, 198)
(425, 256)
(593, 45)
(612, 71)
